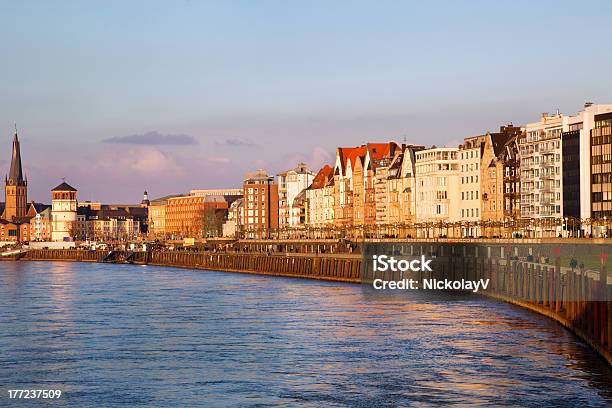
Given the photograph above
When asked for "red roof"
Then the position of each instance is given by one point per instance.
(322, 177)
(377, 152)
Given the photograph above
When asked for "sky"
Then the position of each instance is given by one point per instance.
(119, 97)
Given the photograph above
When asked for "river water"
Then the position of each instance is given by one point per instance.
(109, 335)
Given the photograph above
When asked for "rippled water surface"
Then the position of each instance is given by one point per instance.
(150, 336)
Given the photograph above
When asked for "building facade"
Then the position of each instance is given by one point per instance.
(541, 177)
(470, 155)
(437, 191)
(290, 184)
(260, 213)
(320, 199)
(499, 180)
(601, 165)
(194, 216)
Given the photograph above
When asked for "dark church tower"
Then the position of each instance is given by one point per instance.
(16, 187)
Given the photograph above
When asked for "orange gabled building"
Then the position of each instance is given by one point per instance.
(354, 181)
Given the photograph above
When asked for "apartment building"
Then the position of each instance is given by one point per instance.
(437, 190)
(541, 176)
(260, 213)
(498, 177)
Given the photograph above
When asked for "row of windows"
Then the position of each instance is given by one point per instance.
(469, 195)
(470, 212)
(602, 196)
(471, 179)
(601, 178)
(603, 159)
(470, 155)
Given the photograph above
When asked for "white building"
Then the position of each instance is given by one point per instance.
(63, 212)
(290, 184)
(541, 176)
(470, 211)
(437, 190)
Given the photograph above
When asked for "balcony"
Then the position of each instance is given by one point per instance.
(546, 150)
(547, 163)
(547, 176)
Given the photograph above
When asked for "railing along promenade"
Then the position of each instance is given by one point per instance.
(564, 279)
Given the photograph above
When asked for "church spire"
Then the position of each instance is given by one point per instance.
(15, 176)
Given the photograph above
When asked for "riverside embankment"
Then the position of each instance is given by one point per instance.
(567, 283)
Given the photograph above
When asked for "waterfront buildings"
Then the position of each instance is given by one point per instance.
(290, 184)
(394, 189)
(549, 178)
(260, 213)
(437, 189)
(63, 212)
(111, 222)
(355, 180)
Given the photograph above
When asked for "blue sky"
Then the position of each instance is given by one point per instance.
(168, 96)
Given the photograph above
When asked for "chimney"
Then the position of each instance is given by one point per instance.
(588, 104)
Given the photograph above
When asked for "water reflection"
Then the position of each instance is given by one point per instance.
(159, 336)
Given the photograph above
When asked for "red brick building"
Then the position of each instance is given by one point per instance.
(260, 212)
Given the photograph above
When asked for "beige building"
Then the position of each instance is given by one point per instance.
(157, 218)
(320, 199)
(437, 190)
(470, 153)
(408, 192)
